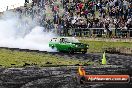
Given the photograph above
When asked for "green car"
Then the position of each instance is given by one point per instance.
(68, 44)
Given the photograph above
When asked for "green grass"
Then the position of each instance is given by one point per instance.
(15, 58)
(9, 58)
(98, 46)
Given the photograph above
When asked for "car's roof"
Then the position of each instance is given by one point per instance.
(62, 37)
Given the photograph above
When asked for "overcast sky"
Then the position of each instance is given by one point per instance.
(11, 4)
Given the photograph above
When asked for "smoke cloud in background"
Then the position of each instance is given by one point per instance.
(22, 32)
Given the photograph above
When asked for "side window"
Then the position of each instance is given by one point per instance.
(62, 40)
(66, 40)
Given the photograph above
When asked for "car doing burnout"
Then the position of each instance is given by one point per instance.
(68, 44)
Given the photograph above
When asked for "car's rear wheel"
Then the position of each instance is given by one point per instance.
(52, 47)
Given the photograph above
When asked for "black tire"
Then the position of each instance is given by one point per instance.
(71, 51)
(52, 47)
(84, 52)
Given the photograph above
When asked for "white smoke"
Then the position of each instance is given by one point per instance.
(21, 32)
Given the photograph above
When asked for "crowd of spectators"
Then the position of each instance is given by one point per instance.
(98, 14)
(79, 14)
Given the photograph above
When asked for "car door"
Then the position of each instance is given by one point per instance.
(63, 44)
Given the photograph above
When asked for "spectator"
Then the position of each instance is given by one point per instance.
(82, 14)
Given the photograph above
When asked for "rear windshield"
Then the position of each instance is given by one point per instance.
(54, 40)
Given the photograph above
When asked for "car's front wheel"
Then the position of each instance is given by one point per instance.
(84, 52)
(70, 50)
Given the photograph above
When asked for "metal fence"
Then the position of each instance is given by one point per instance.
(98, 32)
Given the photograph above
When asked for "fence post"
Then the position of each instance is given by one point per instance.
(128, 34)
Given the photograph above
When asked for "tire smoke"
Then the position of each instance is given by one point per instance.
(17, 31)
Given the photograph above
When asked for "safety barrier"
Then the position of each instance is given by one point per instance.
(99, 32)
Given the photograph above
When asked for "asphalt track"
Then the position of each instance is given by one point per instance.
(60, 77)
(47, 77)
